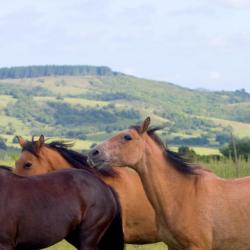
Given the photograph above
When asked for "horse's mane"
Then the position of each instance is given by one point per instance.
(6, 168)
(182, 165)
(74, 158)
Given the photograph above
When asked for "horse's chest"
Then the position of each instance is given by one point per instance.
(167, 235)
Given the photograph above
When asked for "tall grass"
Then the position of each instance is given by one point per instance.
(226, 168)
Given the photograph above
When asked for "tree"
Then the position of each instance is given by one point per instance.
(3, 145)
(186, 152)
(242, 146)
(222, 137)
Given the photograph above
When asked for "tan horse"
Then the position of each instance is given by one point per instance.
(139, 226)
(195, 209)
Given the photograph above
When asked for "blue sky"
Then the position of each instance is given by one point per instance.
(193, 43)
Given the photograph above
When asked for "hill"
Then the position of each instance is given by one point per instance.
(91, 102)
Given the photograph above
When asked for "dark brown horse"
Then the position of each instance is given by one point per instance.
(39, 211)
(139, 227)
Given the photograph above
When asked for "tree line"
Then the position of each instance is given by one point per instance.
(54, 70)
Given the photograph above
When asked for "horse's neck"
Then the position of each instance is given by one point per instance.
(55, 160)
(165, 187)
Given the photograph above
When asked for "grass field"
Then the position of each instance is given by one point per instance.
(5, 100)
(200, 150)
(240, 129)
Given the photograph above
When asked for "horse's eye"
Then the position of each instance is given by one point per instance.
(127, 137)
(27, 165)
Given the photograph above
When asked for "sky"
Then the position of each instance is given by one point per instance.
(192, 43)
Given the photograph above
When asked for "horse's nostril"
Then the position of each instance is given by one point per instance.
(95, 152)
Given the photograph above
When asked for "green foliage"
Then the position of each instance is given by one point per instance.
(15, 140)
(242, 148)
(223, 137)
(111, 96)
(186, 152)
(28, 111)
(3, 145)
(200, 140)
(186, 122)
(18, 91)
(69, 115)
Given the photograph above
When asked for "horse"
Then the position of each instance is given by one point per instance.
(195, 209)
(39, 211)
(139, 226)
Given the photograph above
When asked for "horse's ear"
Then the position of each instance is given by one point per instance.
(21, 141)
(145, 125)
(40, 142)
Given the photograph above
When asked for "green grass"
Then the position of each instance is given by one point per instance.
(206, 150)
(85, 102)
(240, 129)
(227, 169)
(63, 245)
(17, 124)
(157, 246)
(200, 150)
(6, 100)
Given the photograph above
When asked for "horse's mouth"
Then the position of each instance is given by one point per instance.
(97, 163)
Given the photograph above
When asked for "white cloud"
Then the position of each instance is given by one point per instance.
(215, 75)
(236, 3)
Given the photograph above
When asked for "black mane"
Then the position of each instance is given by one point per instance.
(6, 168)
(179, 163)
(74, 158)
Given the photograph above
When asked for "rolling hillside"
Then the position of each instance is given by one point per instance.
(89, 103)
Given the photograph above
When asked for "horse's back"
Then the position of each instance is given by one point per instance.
(42, 210)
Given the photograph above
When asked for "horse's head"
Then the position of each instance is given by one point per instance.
(34, 157)
(124, 149)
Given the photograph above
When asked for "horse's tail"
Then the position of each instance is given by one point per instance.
(113, 238)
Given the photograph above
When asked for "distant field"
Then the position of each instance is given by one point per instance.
(5, 100)
(201, 150)
(240, 129)
(187, 113)
(74, 101)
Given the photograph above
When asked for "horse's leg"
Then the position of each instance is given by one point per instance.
(88, 247)
(72, 238)
(80, 243)
(86, 237)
